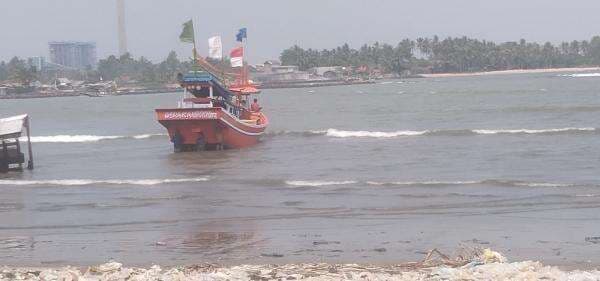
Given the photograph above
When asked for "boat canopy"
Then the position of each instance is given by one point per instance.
(245, 90)
(203, 78)
(12, 127)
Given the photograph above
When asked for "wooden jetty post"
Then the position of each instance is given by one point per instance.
(29, 149)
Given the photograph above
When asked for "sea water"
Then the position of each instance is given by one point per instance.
(375, 173)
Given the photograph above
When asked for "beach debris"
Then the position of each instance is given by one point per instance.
(107, 267)
(528, 270)
(468, 264)
(490, 256)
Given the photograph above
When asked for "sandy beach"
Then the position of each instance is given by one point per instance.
(513, 71)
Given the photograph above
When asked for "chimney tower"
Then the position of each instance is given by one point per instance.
(121, 26)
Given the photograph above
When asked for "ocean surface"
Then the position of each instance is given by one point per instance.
(367, 174)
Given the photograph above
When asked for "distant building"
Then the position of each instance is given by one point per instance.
(79, 55)
(273, 71)
(329, 72)
(39, 63)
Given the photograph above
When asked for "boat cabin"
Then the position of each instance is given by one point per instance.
(11, 155)
(203, 90)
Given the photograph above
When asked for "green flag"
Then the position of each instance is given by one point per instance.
(187, 35)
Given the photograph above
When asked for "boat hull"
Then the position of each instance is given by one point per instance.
(215, 126)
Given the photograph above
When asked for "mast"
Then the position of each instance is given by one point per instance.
(121, 26)
(245, 66)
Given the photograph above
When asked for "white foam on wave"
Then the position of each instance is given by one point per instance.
(367, 134)
(424, 183)
(375, 134)
(318, 183)
(586, 195)
(433, 183)
(83, 138)
(492, 182)
(543, 184)
(72, 138)
(82, 182)
(530, 131)
(578, 75)
(147, 136)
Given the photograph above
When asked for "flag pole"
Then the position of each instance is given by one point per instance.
(245, 65)
(195, 52)
(195, 49)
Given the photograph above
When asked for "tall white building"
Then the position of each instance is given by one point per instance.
(80, 55)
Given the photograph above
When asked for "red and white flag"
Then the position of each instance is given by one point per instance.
(237, 57)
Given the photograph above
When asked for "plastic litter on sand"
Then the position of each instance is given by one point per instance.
(485, 265)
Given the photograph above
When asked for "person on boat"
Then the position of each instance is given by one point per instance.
(255, 107)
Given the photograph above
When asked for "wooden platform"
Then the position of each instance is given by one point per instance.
(11, 155)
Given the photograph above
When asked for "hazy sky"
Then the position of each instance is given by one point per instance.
(153, 26)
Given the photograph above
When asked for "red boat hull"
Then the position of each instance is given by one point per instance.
(214, 125)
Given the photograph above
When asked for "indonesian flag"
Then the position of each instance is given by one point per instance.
(237, 57)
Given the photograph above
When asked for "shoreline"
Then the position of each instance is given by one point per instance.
(309, 84)
(512, 71)
(313, 84)
(461, 257)
(38, 95)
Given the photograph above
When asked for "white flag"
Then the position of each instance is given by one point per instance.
(237, 62)
(215, 47)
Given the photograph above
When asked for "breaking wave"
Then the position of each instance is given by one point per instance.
(578, 75)
(513, 183)
(83, 182)
(423, 183)
(318, 183)
(84, 138)
(335, 133)
(363, 134)
(529, 131)
(431, 183)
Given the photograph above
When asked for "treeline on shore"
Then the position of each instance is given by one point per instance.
(424, 55)
(453, 54)
(124, 68)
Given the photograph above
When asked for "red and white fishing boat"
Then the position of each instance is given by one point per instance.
(210, 116)
(213, 115)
